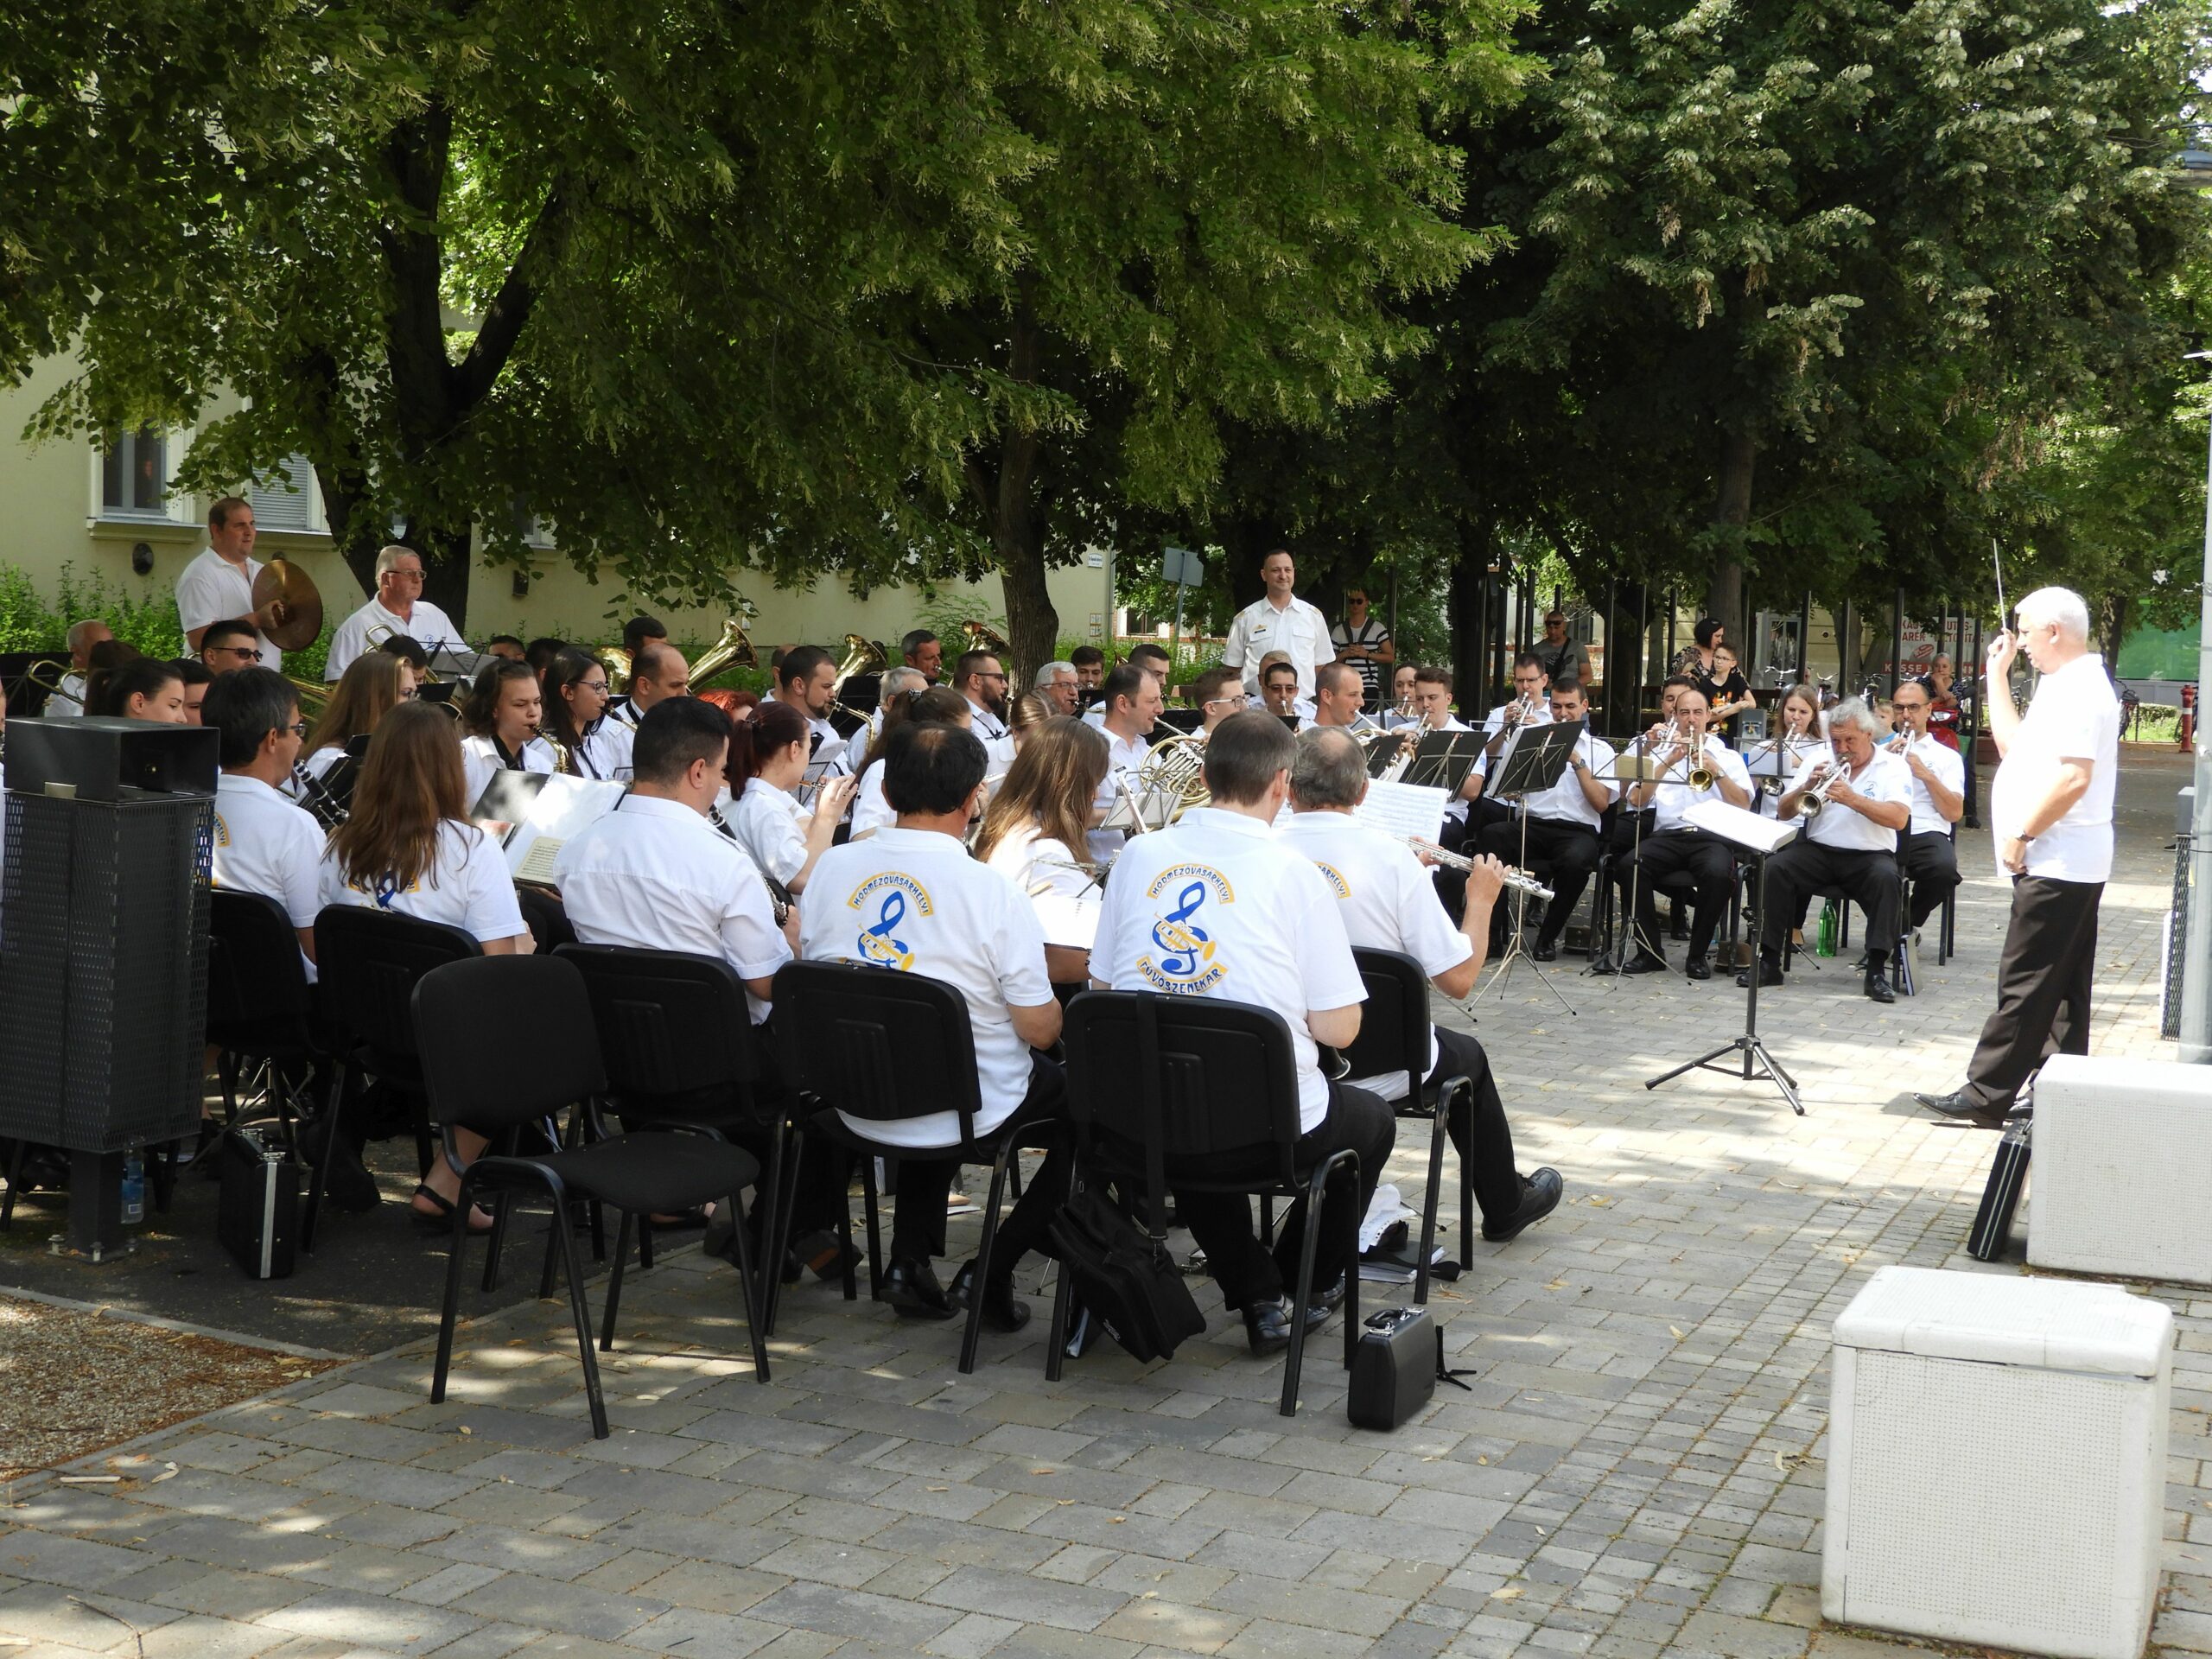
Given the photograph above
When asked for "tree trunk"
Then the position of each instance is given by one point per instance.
(359, 536)
(1468, 611)
(2114, 630)
(1724, 586)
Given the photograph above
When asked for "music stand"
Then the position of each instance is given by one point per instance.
(1444, 759)
(1529, 768)
(1760, 838)
(1631, 765)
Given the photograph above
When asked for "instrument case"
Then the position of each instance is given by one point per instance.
(2008, 1174)
(257, 1216)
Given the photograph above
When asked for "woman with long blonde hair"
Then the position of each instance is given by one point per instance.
(372, 686)
(1037, 824)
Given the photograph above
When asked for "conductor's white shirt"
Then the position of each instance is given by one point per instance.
(913, 901)
(765, 822)
(1217, 905)
(2074, 715)
(1388, 901)
(480, 758)
(429, 628)
(1950, 770)
(466, 885)
(265, 844)
(1299, 630)
(654, 876)
(213, 590)
(1565, 800)
(1676, 796)
(1883, 778)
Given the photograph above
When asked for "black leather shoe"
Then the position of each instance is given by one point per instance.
(1878, 987)
(1330, 1300)
(347, 1184)
(1770, 973)
(1002, 1311)
(1266, 1325)
(1963, 1105)
(911, 1289)
(1540, 1196)
(1541, 950)
(1645, 961)
(1698, 967)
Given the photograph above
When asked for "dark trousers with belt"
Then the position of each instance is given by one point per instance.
(1707, 861)
(1868, 879)
(1222, 1222)
(925, 1184)
(2043, 987)
(1932, 862)
(1563, 851)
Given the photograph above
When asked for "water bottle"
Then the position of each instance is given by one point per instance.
(1825, 943)
(134, 1188)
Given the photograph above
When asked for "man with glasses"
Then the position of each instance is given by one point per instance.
(979, 677)
(218, 585)
(1218, 693)
(1926, 852)
(264, 844)
(399, 608)
(1058, 681)
(226, 647)
(1562, 658)
(1363, 643)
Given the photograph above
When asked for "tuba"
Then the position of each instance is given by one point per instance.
(616, 662)
(733, 650)
(862, 656)
(981, 636)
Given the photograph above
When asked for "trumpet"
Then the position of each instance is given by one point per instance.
(1899, 743)
(1519, 713)
(1814, 800)
(1408, 746)
(1699, 776)
(1518, 879)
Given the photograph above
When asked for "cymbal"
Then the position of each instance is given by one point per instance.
(296, 619)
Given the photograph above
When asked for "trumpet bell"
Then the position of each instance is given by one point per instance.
(1701, 777)
(1175, 768)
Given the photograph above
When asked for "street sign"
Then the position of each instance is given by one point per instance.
(1182, 567)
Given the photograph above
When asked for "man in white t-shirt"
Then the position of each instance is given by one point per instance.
(1529, 707)
(68, 702)
(2051, 814)
(1218, 906)
(218, 585)
(1555, 831)
(1388, 904)
(909, 900)
(1674, 847)
(1131, 702)
(1278, 621)
(1927, 851)
(264, 844)
(1850, 845)
(396, 608)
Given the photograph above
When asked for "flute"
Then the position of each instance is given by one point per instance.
(1518, 879)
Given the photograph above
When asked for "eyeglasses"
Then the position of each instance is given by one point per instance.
(232, 651)
(1219, 702)
(409, 695)
(299, 728)
(597, 687)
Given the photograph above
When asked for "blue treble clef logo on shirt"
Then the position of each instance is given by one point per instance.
(1185, 945)
(387, 889)
(878, 944)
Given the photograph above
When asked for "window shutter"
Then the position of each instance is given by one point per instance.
(276, 506)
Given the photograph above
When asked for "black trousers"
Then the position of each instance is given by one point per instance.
(1222, 1222)
(1932, 862)
(1561, 849)
(925, 1184)
(2042, 986)
(1481, 1135)
(1870, 879)
(1707, 861)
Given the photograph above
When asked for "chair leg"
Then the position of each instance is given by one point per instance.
(744, 1280)
(874, 1240)
(1013, 1178)
(1302, 1296)
(645, 1241)
(1056, 1341)
(1352, 1219)
(451, 1313)
(559, 1225)
(770, 1209)
(580, 1312)
(498, 1242)
(974, 1334)
(319, 1171)
(614, 1282)
(226, 1076)
(424, 1151)
(1267, 1220)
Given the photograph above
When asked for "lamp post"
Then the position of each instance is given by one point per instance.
(2197, 960)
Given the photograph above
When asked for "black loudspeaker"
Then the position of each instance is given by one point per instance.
(94, 759)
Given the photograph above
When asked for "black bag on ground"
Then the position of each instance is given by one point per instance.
(2008, 1173)
(1126, 1279)
(258, 1214)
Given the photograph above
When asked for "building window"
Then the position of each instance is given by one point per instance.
(134, 475)
(283, 498)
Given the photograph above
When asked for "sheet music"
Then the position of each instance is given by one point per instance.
(563, 807)
(1404, 809)
(538, 866)
(1072, 922)
(1740, 827)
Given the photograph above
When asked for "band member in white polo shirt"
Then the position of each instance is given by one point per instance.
(2050, 812)
(658, 672)
(766, 818)
(1559, 824)
(1673, 846)
(1851, 845)
(1926, 851)
(1529, 707)
(502, 714)
(1386, 902)
(398, 607)
(66, 701)
(1339, 696)
(909, 900)
(574, 693)
(1132, 700)
(264, 844)
(1217, 694)
(807, 680)
(979, 677)
(1278, 620)
(1218, 904)
(218, 585)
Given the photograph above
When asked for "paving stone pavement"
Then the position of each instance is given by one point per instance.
(1636, 1469)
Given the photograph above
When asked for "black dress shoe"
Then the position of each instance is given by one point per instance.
(1543, 951)
(1698, 967)
(1645, 961)
(1540, 1196)
(1878, 987)
(1002, 1311)
(1770, 973)
(1330, 1300)
(1963, 1105)
(1266, 1325)
(911, 1288)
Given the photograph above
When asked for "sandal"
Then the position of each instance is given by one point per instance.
(425, 1222)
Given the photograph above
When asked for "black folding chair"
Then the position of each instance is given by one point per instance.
(370, 961)
(884, 1047)
(1394, 1036)
(499, 1091)
(1166, 1090)
(260, 1007)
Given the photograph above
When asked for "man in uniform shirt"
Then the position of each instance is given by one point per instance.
(1131, 708)
(263, 842)
(979, 677)
(1218, 693)
(1339, 696)
(1218, 906)
(1528, 707)
(218, 585)
(1089, 672)
(1279, 689)
(1362, 642)
(68, 701)
(1927, 854)
(924, 650)
(909, 900)
(1402, 696)
(807, 679)
(1278, 621)
(1555, 832)
(2050, 812)
(1058, 681)
(398, 608)
(1852, 845)
(1388, 904)
(658, 672)
(1674, 847)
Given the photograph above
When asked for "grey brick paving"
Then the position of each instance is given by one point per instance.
(1635, 1470)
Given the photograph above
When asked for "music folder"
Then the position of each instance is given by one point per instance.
(1742, 828)
(1444, 759)
(532, 815)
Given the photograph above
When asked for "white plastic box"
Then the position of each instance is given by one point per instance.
(1997, 1462)
(2122, 1168)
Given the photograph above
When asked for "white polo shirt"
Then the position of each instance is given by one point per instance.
(654, 876)
(2072, 715)
(1950, 770)
(1299, 629)
(213, 590)
(429, 628)
(1676, 796)
(480, 758)
(466, 885)
(870, 810)
(1123, 755)
(1565, 800)
(1217, 905)
(1388, 901)
(605, 751)
(765, 822)
(1883, 778)
(1494, 722)
(265, 844)
(987, 726)
(914, 901)
(1034, 862)
(69, 703)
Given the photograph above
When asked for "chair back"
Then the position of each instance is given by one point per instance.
(670, 1023)
(257, 984)
(545, 1058)
(370, 961)
(1225, 1074)
(878, 1045)
(1394, 1021)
